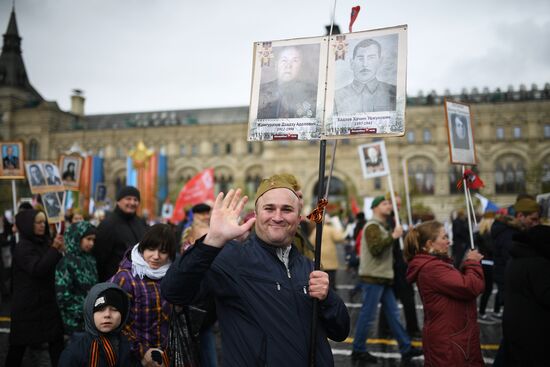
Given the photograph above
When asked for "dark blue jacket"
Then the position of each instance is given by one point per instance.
(264, 311)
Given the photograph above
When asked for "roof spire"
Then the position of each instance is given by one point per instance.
(12, 67)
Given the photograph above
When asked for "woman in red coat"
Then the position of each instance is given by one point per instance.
(451, 334)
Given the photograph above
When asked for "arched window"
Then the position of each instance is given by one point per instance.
(252, 180)
(185, 175)
(223, 179)
(421, 175)
(509, 175)
(33, 150)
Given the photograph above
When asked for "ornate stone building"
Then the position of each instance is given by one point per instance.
(512, 134)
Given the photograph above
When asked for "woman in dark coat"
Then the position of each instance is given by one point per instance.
(35, 317)
(450, 336)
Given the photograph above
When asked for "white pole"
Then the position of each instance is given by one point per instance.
(465, 187)
(14, 197)
(406, 180)
(394, 204)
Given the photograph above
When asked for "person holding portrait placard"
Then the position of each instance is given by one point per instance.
(365, 93)
(288, 96)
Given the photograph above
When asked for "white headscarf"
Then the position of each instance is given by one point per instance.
(141, 268)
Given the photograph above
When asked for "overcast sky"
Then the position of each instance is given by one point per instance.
(149, 55)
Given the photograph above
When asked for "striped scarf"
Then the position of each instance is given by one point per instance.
(110, 354)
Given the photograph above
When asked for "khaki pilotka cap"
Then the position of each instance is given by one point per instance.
(276, 182)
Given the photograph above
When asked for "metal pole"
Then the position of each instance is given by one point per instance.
(406, 180)
(317, 260)
(465, 187)
(394, 204)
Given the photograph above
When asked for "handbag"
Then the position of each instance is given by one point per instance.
(183, 336)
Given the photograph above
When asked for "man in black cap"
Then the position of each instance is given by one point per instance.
(119, 231)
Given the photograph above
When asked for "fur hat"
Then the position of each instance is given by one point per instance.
(128, 191)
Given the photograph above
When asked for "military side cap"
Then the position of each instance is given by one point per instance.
(291, 180)
(526, 205)
(377, 200)
(274, 182)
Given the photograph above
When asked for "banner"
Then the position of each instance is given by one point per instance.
(198, 190)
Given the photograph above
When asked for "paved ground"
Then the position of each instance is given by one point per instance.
(385, 349)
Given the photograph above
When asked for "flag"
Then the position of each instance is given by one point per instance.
(486, 204)
(162, 177)
(354, 13)
(472, 180)
(131, 173)
(354, 207)
(198, 190)
(97, 175)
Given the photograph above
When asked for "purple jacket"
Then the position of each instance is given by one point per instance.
(148, 321)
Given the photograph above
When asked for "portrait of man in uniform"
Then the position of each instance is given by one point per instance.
(10, 157)
(366, 93)
(52, 174)
(293, 93)
(372, 159)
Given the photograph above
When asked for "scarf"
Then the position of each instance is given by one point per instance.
(110, 354)
(140, 268)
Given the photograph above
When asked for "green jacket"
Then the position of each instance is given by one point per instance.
(75, 274)
(376, 264)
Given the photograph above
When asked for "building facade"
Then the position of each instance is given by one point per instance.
(511, 129)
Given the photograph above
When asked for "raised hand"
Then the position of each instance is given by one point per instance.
(224, 219)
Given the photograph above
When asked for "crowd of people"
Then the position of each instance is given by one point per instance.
(110, 294)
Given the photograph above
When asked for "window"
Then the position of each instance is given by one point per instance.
(509, 175)
(182, 149)
(33, 150)
(421, 175)
(378, 183)
(427, 135)
(410, 136)
(222, 183)
(250, 148)
(517, 132)
(547, 131)
(194, 150)
(500, 133)
(120, 152)
(215, 148)
(228, 148)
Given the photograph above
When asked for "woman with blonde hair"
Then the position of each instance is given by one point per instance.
(451, 334)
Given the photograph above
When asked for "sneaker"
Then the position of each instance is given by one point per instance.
(363, 356)
(413, 352)
(485, 319)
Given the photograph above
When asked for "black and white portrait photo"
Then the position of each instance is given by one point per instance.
(70, 166)
(373, 159)
(460, 133)
(288, 89)
(35, 175)
(371, 83)
(52, 206)
(100, 193)
(52, 175)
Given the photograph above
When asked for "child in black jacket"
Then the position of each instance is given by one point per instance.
(101, 345)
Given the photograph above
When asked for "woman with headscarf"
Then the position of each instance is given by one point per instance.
(139, 274)
(450, 336)
(35, 317)
(75, 275)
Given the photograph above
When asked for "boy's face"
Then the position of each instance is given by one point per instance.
(107, 319)
(87, 243)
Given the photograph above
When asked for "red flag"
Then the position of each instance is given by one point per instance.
(472, 180)
(354, 207)
(354, 13)
(198, 190)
